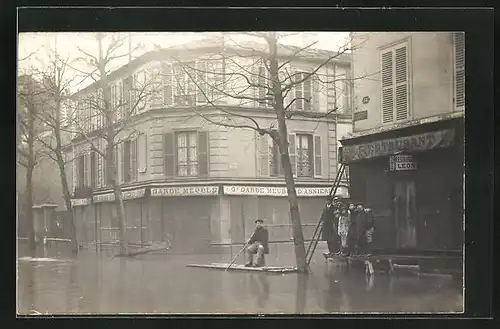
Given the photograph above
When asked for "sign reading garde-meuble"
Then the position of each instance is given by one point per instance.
(185, 191)
(274, 191)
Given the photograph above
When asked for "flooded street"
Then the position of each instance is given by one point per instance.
(58, 283)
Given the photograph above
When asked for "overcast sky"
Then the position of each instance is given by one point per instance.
(67, 44)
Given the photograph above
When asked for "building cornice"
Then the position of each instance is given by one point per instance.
(403, 125)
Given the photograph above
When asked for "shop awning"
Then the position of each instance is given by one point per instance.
(412, 143)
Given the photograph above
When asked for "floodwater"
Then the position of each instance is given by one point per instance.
(56, 282)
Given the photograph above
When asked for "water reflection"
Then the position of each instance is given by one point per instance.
(260, 289)
(93, 283)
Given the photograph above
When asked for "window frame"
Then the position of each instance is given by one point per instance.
(190, 164)
(310, 151)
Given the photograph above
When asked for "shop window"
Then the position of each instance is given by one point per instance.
(186, 153)
(395, 91)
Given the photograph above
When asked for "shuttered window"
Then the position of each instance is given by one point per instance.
(305, 155)
(168, 94)
(127, 161)
(459, 46)
(316, 92)
(292, 152)
(264, 83)
(86, 170)
(142, 153)
(331, 90)
(133, 160)
(317, 157)
(168, 154)
(93, 170)
(395, 91)
(186, 153)
(263, 147)
(201, 95)
(80, 169)
(127, 86)
(203, 155)
(304, 91)
(185, 89)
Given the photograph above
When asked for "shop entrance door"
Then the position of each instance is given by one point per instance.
(405, 213)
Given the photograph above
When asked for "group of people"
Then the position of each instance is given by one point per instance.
(348, 230)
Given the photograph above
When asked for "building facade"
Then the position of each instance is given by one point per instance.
(197, 183)
(406, 152)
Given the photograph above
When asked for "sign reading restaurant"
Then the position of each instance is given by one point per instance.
(280, 191)
(185, 191)
(413, 143)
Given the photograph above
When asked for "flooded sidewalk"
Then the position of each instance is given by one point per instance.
(91, 283)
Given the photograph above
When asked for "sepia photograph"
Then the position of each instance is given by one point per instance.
(243, 172)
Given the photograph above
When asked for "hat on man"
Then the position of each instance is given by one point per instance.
(259, 220)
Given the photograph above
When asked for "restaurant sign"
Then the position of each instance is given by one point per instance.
(279, 191)
(413, 143)
(401, 163)
(185, 191)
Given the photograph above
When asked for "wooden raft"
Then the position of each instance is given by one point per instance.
(238, 267)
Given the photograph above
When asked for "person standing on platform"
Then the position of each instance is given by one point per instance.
(330, 222)
(358, 228)
(368, 231)
(343, 230)
(258, 244)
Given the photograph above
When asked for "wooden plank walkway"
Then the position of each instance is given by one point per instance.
(238, 267)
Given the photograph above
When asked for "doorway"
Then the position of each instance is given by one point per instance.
(405, 212)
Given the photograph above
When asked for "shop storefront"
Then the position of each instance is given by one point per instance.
(413, 180)
(270, 203)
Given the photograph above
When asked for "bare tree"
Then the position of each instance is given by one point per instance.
(114, 115)
(29, 105)
(56, 80)
(276, 84)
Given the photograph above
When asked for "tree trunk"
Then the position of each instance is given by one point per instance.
(120, 209)
(67, 201)
(63, 176)
(298, 236)
(29, 209)
(29, 179)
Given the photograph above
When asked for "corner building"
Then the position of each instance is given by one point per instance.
(200, 184)
(406, 152)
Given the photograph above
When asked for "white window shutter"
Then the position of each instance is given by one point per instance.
(330, 87)
(292, 152)
(264, 155)
(318, 169)
(254, 79)
(387, 87)
(401, 75)
(459, 51)
(316, 94)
